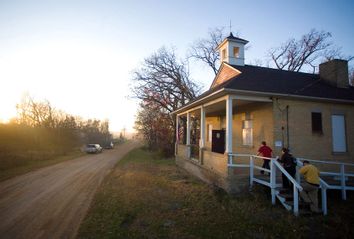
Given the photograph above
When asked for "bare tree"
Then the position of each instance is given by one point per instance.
(295, 54)
(163, 85)
(205, 49)
(164, 80)
(35, 113)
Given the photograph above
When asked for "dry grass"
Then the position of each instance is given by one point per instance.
(24, 148)
(14, 165)
(148, 197)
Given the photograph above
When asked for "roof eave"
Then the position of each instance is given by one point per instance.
(304, 97)
(224, 91)
(195, 103)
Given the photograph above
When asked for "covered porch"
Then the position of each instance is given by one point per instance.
(208, 134)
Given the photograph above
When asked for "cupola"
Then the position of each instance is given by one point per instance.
(232, 50)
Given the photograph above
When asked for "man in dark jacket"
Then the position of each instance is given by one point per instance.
(289, 165)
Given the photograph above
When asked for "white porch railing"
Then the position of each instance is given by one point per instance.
(274, 165)
(340, 179)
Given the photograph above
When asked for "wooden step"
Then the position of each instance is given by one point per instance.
(286, 196)
(302, 205)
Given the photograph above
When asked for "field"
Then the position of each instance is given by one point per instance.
(11, 167)
(149, 197)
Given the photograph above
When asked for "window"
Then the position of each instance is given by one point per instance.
(236, 52)
(223, 54)
(316, 122)
(247, 130)
(338, 134)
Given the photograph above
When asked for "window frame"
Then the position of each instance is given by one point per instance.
(344, 139)
(316, 123)
(247, 130)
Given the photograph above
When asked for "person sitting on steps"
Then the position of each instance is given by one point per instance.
(310, 187)
(265, 151)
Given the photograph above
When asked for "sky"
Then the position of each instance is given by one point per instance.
(80, 55)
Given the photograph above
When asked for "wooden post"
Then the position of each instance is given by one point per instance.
(296, 201)
(342, 182)
(272, 180)
(177, 135)
(229, 124)
(251, 171)
(202, 127)
(324, 200)
(188, 143)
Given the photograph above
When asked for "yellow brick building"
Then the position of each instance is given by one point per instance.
(311, 114)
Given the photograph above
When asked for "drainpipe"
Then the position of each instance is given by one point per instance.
(287, 126)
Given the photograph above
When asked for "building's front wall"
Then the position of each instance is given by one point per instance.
(270, 122)
(261, 115)
(262, 123)
(302, 141)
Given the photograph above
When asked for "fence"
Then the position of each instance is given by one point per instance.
(342, 175)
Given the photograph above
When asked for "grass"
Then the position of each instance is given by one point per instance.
(149, 197)
(14, 166)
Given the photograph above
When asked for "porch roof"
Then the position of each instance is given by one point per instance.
(255, 80)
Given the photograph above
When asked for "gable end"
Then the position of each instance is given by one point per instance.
(226, 72)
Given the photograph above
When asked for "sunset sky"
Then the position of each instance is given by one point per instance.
(80, 55)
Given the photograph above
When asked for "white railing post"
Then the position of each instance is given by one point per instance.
(272, 180)
(251, 171)
(342, 182)
(297, 174)
(324, 200)
(230, 159)
(296, 201)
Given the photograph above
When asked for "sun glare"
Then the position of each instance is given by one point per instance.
(78, 77)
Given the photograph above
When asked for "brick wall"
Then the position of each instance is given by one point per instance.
(303, 142)
(335, 72)
(262, 117)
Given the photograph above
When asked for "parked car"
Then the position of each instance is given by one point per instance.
(109, 146)
(93, 148)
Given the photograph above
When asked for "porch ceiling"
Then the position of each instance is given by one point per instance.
(219, 108)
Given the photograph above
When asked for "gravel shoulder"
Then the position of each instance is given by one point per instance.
(51, 202)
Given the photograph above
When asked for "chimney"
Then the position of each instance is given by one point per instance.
(335, 72)
(232, 50)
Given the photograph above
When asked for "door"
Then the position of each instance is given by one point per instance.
(338, 134)
(218, 141)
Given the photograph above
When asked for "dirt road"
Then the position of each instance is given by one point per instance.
(51, 202)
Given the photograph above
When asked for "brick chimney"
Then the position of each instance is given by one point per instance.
(335, 72)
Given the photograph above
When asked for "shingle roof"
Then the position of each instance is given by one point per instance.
(232, 37)
(262, 79)
(274, 81)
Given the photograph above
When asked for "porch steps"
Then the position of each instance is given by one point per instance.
(285, 197)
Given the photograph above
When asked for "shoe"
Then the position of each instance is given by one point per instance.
(262, 172)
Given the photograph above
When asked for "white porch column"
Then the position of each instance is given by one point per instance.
(188, 141)
(188, 129)
(177, 136)
(229, 124)
(202, 128)
(177, 124)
